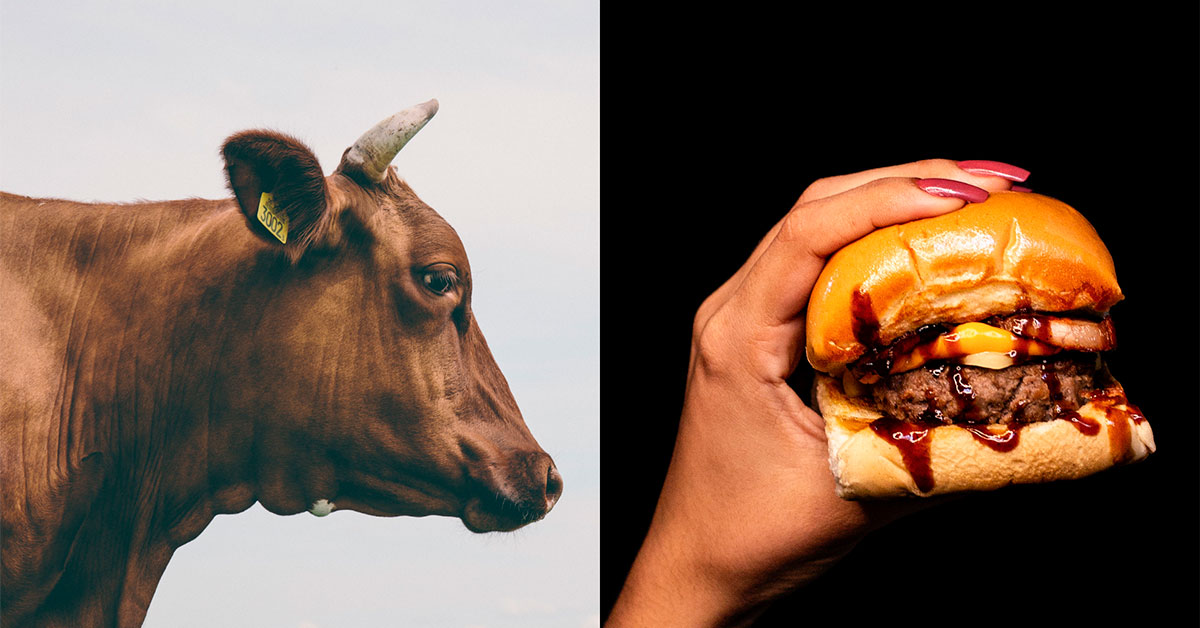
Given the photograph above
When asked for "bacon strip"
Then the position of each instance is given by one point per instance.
(1072, 334)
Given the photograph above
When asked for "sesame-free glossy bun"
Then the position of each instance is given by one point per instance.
(1015, 251)
(867, 465)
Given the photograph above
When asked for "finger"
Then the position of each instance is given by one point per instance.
(777, 287)
(993, 176)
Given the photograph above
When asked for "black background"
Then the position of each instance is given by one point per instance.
(713, 126)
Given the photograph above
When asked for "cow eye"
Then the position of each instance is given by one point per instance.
(440, 278)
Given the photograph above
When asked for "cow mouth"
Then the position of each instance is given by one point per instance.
(502, 502)
(488, 496)
(484, 509)
(494, 512)
(480, 513)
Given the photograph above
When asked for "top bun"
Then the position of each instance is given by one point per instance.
(1015, 251)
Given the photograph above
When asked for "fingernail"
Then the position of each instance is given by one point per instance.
(949, 188)
(1020, 188)
(994, 169)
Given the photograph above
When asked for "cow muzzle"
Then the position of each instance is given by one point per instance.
(508, 495)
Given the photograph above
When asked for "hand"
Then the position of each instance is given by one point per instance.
(748, 510)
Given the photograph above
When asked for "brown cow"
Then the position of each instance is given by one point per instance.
(168, 362)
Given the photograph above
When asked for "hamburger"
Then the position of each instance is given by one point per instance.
(964, 352)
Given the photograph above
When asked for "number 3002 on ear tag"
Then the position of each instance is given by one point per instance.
(272, 217)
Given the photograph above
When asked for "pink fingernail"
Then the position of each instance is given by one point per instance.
(949, 188)
(1020, 188)
(994, 169)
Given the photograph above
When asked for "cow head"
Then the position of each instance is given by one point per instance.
(368, 381)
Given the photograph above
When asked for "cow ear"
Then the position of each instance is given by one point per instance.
(279, 187)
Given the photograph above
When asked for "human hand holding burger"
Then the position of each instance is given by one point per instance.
(749, 509)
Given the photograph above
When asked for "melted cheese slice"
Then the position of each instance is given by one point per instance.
(974, 344)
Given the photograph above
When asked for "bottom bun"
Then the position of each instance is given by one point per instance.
(893, 459)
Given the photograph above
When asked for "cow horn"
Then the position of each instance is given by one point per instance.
(372, 153)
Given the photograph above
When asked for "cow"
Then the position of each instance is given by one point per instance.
(307, 344)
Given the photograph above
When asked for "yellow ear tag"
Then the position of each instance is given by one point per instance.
(272, 217)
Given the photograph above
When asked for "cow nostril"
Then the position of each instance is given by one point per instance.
(554, 486)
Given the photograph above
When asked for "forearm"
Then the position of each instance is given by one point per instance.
(716, 554)
(667, 587)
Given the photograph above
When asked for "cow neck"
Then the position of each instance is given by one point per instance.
(138, 305)
(141, 300)
(208, 305)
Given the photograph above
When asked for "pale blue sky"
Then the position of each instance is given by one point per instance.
(130, 100)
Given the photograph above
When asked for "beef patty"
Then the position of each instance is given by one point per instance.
(1030, 392)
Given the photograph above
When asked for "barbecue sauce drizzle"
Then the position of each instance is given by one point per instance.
(912, 438)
